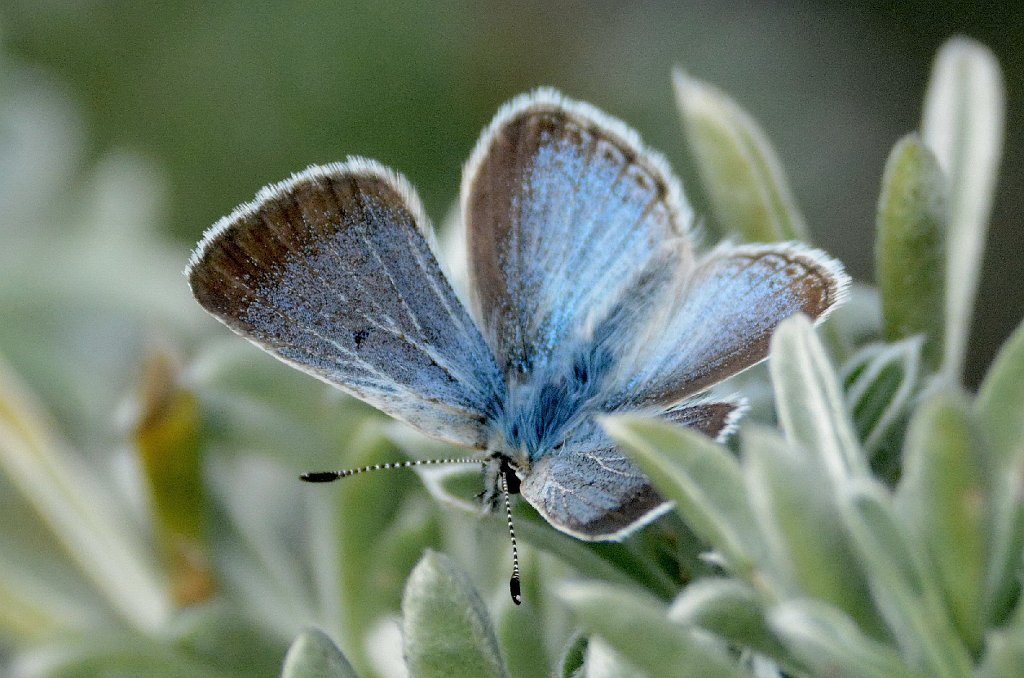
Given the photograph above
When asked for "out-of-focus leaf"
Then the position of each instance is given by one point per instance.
(68, 497)
(221, 636)
(1004, 654)
(829, 643)
(963, 125)
(446, 627)
(570, 664)
(801, 525)
(880, 381)
(910, 247)
(739, 169)
(637, 627)
(314, 655)
(702, 478)
(167, 436)
(366, 507)
(111, 655)
(903, 587)
(998, 411)
(730, 609)
(602, 661)
(809, 401)
(944, 500)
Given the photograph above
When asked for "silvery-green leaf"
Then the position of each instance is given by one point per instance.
(963, 125)
(910, 247)
(880, 381)
(446, 627)
(904, 589)
(637, 627)
(314, 655)
(602, 661)
(998, 410)
(82, 514)
(739, 169)
(701, 477)
(800, 523)
(829, 643)
(809, 401)
(943, 499)
(730, 609)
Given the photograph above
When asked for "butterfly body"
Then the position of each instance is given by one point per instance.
(586, 298)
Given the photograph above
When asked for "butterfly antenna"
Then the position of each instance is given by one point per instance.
(330, 476)
(513, 583)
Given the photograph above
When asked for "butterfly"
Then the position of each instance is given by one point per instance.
(586, 298)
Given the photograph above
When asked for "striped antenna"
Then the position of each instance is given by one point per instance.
(330, 476)
(513, 583)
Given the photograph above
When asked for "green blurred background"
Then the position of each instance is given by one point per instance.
(220, 98)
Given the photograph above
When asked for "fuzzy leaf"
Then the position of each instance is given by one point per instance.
(963, 125)
(602, 661)
(446, 627)
(944, 499)
(314, 655)
(902, 586)
(911, 227)
(801, 524)
(809, 401)
(701, 477)
(640, 630)
(830, 644)
(739, 169)
(880, 381)
(731, 610)
(998, 410)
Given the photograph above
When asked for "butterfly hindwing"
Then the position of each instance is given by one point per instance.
(723, 318)
(333, 272)
(591, 490)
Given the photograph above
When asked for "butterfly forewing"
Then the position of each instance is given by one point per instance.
(563, 206)
(333, 272)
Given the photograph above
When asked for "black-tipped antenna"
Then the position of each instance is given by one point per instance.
(513, 583)
(329, 476)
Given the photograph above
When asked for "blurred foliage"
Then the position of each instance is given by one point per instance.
(154, 524)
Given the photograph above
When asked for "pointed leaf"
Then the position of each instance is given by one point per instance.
(446, 627)
(729, 609)
(880, 381)
(640, 630)
(904, 589)
(911, 227)
(963, 125)
(809, 402)
(829, 643)
(314, 655)
(701, 477)
(943, 498)
(801, 524)
(741, 174)
(998, 410)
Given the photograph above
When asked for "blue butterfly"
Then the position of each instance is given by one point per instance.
(587, 298)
